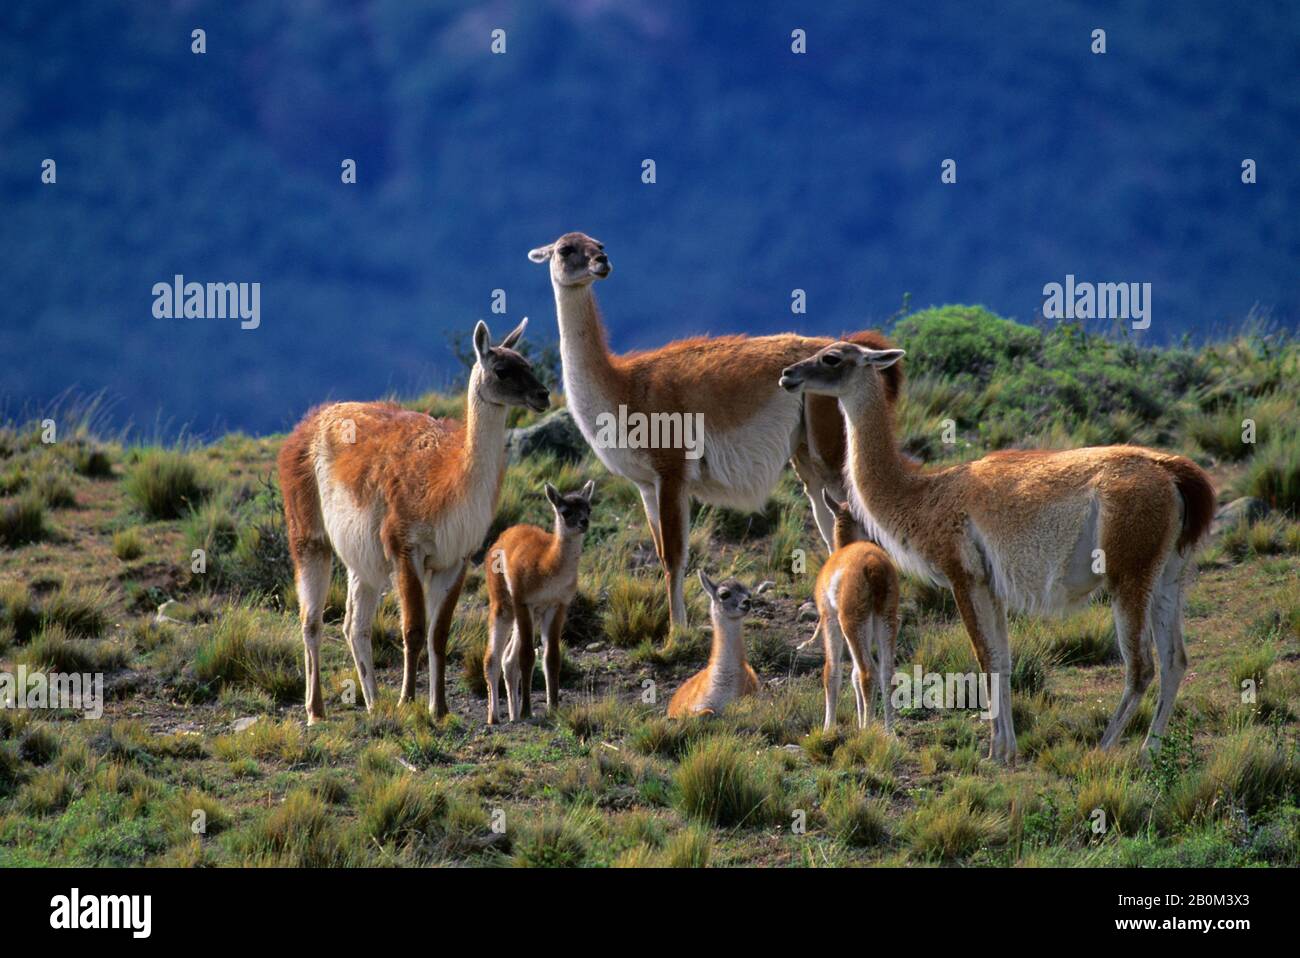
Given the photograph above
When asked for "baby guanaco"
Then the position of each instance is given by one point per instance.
(857, 600)
(532, 576)
(727, 676)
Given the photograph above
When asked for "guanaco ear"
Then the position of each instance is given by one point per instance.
(880, 358)
(482, 341)
(553, 494)
(831, 504)
(541, 254)
(515, 334)
(588, 489)
(709, 586)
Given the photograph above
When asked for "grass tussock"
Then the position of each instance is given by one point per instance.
(724, 781)
(22, 521)
(301, 833)
(55, 650)
(240, 650)
(166, 484)
(636, 610)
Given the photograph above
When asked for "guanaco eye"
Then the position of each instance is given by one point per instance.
(566, 250)
(830, 360)
(724, 594)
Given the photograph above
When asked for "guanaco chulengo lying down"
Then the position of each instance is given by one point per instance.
(532, 577)
(727, 676)
(857, 601)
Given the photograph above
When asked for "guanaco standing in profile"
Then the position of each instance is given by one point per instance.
(728, 675)
(532, 577)
(857, 600)
(401, 498)
(1032, 530)
(751, 428)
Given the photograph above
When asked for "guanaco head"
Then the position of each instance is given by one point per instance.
(846, 527)
(572, 511)
(576, 259)
(506, 378)
(835, 370)
(730, 599)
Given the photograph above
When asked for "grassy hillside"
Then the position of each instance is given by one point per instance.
(96, 533)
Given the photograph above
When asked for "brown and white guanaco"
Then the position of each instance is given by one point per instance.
(857, 603)
(400, 497)
(751, 428)
(532, 577)
(1036, 531)
(728, 675)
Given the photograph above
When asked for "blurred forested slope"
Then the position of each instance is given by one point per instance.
(775, 171)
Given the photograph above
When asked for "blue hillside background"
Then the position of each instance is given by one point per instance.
(774, 171)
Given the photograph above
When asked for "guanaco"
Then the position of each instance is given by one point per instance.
(728, 675)
(1037, 531)
(749, 428)
(857, 603)
(400, 497)
(532, 577)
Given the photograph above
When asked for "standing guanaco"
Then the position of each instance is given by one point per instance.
(728, 675)
(400, 497)
(532, 577)
(857, 599)
(1032, 530)
(750, 427)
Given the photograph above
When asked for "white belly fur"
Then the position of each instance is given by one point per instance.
(738, 468)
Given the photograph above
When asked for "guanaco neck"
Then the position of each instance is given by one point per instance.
(728, 652)
(882, 480)
(485, 439)
(584, 344)
(565, 549)
(846, 530)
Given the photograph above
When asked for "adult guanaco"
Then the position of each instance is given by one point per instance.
(728, 675)
(401, 498)
(751, 429)
(1035, 531)
(532, 578)
(857, 605)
